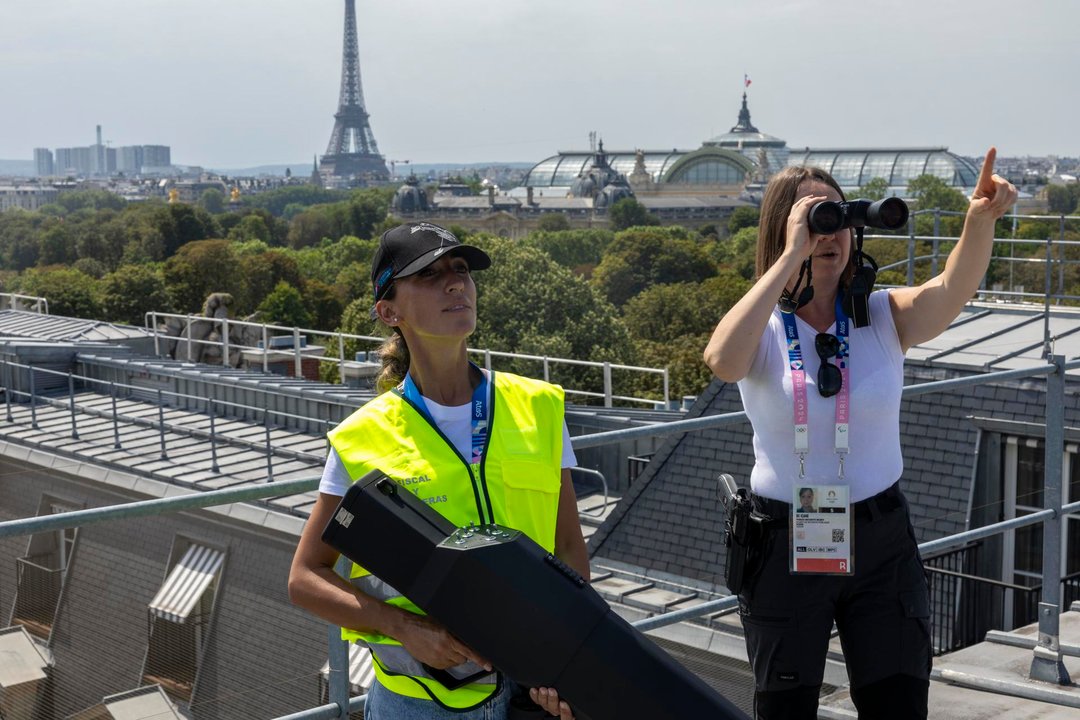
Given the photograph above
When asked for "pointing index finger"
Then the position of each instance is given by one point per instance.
(986, 175)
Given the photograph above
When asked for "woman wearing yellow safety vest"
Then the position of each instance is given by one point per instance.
(479, 447)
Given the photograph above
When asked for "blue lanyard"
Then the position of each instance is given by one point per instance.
(798, 386)
(479, 415)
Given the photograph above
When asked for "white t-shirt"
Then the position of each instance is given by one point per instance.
(876, 373)
(455, 423)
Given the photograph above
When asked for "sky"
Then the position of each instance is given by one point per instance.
(240, 83)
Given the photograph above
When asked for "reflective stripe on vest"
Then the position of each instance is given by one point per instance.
(517, 485)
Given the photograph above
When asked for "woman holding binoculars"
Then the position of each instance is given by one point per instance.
(829, 418)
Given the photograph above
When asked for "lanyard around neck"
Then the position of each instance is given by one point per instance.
(798, 385)
(479, 411)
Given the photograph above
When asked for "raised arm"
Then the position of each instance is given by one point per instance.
(921, 313)
(734, 342)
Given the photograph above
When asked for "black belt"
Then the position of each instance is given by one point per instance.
(869, 509)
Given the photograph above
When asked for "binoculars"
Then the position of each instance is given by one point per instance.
(828, 217)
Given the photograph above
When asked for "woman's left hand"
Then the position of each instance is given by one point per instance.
(548, 699)
(994, 195)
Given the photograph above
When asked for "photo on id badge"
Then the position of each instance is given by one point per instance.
(821, 530)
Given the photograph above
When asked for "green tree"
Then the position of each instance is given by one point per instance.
(89, 199)
(250, 227)
(743, 217)
(580, 250)
(310, 227)
(932, 193)
(198, 269)
(628, 213)
(57, 247)
(296, 196)
(131, 291)
(367, 209)
(663, 313)
(212, 201)
(324, 302)
(263, 273)
(874, 189)
(180, 224)
(70, 293)
(641, 257)
(1062, 199)
(530, 304)
(285, 306)
(553, 222)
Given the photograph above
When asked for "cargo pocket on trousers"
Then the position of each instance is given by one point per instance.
(771, 646)
(916, 652)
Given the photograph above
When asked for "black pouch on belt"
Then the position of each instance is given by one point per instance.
(744, 535)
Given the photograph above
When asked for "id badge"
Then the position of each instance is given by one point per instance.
(821, 530)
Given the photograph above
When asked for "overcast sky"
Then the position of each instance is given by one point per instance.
(238, 83)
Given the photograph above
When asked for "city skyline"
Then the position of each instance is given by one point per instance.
(252, 83)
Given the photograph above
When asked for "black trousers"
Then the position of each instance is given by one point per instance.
(882, 613)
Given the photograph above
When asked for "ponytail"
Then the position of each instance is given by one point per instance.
(394, 355)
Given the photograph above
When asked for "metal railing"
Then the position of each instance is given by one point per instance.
(1049, 245)
(215, 409)
(15, 301)
(299, 352)
(1046, 664)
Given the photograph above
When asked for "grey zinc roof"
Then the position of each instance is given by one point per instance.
(25, 324)
(994, 336)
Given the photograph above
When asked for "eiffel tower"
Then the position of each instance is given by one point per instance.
(352, 151)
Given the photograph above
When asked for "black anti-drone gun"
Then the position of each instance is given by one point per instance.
(534, 618)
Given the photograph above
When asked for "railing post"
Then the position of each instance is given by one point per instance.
(341, 358)
(71, 406)
(338, 654)
(225, 342)
(266, 349)
(1061, 259)
(161, 425)
(607, 384)
(1047, 665)
(299, 365)
(214, 467)
(157, 345)
(935, 242)
(1046, 302)
(667, 391)
(189, 350)
(547, 370)
(269, 450)
(487, 360)
(33, 399)
(115, 420)
(911, 251)
(7, 390)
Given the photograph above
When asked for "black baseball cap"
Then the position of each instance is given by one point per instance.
(411, 247)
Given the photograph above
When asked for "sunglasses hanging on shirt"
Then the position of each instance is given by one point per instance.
(829, 378)
(792, 300)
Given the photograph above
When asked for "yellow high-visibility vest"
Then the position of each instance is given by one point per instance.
(516, 485)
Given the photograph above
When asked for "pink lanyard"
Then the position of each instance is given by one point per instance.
(798, 386)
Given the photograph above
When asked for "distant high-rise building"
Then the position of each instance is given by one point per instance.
(43, 161)
(155, 157)
(65, 161)
(129, 159)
